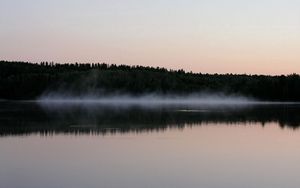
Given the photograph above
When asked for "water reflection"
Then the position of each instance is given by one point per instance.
(22, 118)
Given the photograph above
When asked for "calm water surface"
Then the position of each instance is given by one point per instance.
(74, 146)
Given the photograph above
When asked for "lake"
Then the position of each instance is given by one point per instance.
(161, 146)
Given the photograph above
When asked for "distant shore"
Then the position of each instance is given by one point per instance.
(29, 81)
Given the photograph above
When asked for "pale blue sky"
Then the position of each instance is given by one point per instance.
(258, 36)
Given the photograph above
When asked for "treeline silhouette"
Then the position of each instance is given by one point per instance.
(23, 80)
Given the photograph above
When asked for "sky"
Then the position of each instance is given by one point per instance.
(209, 36)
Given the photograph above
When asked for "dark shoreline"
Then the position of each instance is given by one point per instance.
(28, 81)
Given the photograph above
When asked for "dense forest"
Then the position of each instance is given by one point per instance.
(23, 80)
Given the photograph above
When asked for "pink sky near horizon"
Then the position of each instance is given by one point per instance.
(257, 37)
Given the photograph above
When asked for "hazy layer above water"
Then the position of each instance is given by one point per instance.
(152, 99)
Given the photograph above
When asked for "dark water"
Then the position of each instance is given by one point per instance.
(70, 146)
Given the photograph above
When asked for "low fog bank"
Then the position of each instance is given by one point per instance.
(149, 99)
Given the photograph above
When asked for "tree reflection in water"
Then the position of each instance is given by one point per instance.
(23, 118)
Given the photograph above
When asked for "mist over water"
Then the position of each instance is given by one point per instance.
(214, 99)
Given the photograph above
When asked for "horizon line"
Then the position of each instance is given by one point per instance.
(150, 66)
